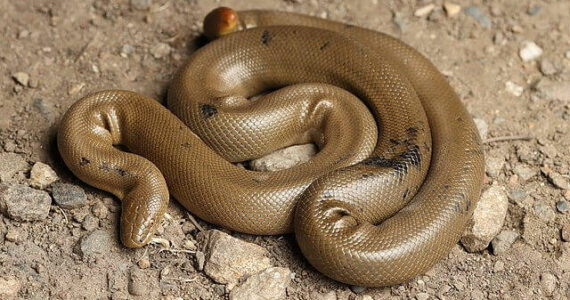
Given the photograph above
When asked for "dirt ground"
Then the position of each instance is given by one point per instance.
(70, 48)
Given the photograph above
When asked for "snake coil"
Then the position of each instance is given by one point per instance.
(397, 176)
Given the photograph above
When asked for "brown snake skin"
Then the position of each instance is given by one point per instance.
(397, 177)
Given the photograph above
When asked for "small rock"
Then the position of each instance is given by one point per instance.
(144, 263)
(499, 266)
(357, 289)
(22, 78)
(503, 241)
(9, 146)
(422, 296)
(90, 223)
(200, 260)
(530, 51)
(68, 195)
(137, 285)
(548, 283)
(565, 233)
(23, 203)
(160, 50)
(267, 285)
(219, 289)
(284, 158)
(525, 173)
(141, 4)
(478, 15)
(12, 235)
(562, 206)
(544, 212)
(553, 90)
(482, 127)
(488, 219)
(9, 288)
(127, 50)
(557, 180)
(230, 259)
(546, 67)
(100, 210)
(533, 10)
(424, 10)
(10, 164)
(95, 243)
(494, 165)
(513, 88)
(451, 9)
(75, 88)
(42, 175)
(188, 244)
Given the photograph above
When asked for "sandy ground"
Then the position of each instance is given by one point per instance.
(67, 49)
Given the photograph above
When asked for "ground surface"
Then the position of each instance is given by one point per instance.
(70, 48)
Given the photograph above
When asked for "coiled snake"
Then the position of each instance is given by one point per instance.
(398, 173)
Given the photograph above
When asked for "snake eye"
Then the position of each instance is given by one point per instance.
(220, 21)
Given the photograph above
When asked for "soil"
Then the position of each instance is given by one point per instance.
(71, 48)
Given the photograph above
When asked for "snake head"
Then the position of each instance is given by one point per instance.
(220, 21)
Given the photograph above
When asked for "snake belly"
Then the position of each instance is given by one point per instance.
(396, 179)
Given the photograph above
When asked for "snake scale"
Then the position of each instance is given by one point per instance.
(400, 163)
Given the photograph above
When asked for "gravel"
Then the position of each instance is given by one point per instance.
(270, 284)
(69, 196)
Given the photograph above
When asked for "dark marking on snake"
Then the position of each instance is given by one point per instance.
(325, 45)
(186, 145)
(395, 141)
(399, 163)
(84, 161)
(106, 167)
(406, 193)
(208, 110)
(265, 37)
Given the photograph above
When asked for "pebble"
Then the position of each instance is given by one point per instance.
(9, 288)
(565, 233)
(478, 15)
(548, 283)
(12, 235)
(270, 284)
(534, 10)
(451, 9)
(229, 259)
(22, 78)
(141, 4)
(90, 223)
(513, 88)
(9, 146)
(95, 243)
(200, 260)
(523, 172)
(23, 203)
(219, 289)
(68, 195)
(488, 219)
(499, 266)
(562, 206)
(544, 212)
(42, 175)
(284, 158)
(422, 296)
(546, 67)
(137, 286)
(424, 10)
(503, 241)
(558, 180)
(160, 50)
(553, 90)
(482, 127)
(127, 50)
(100, 210)
(530, 51)
(357, 289)
(567, 54)
(494, 165)
(144, 263)
(10, 164)
(75, 88)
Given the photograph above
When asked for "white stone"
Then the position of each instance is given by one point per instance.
(284, 158)
(513, 88)
(42, 175)
(530, 51)
(229, 259)
(160, 50)
(424, 10)
(488, 219)
(451, 9)
(270, 284)
(21, 78)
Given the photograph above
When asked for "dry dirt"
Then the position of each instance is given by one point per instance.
(71, 48)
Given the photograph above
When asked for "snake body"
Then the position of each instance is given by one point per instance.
(396, 179)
